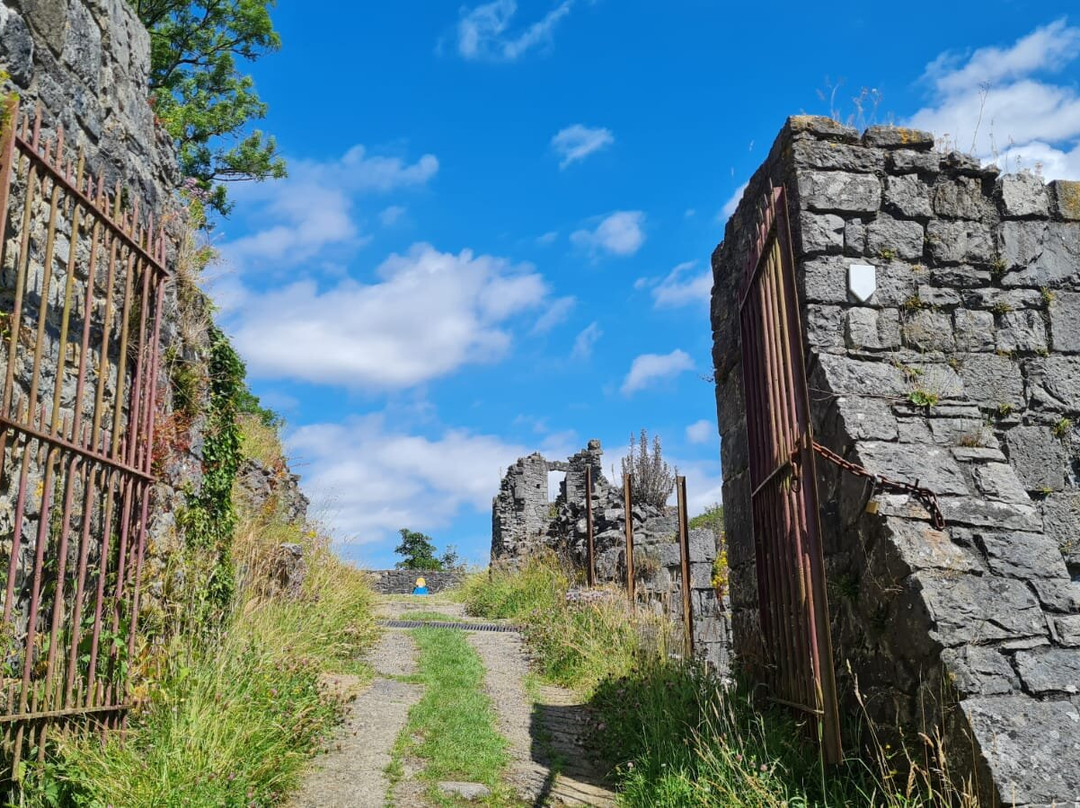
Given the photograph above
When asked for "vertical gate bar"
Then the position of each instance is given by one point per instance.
(831, 737)
(61, 570)
(684, 548)
(10, 118)
(46, 283)
(117, 596)
(80, 584)
(103, 365)
(100, 598)
(590, 567)
(16, 537)
(141, 357)
(783, 642)
(627, 510)
(69, 291)
(786, 555)
(88, 308)
(121, 365)
(152, 380)
(35, 592)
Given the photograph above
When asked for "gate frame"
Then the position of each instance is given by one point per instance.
(110, 459)
(785, 507)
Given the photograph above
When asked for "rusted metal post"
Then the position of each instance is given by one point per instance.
(590, 560)
(627, 510)
(684, 555)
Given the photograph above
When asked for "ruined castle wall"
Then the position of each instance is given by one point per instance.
(961, 371)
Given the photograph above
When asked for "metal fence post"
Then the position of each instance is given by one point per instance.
(684, 553)
(590, 560)
(627, 510)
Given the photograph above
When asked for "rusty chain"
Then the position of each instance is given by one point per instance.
(927, 497)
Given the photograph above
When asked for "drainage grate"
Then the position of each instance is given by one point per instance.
(431, 624)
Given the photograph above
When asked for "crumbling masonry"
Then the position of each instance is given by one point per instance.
(961, 370)
(524, 521)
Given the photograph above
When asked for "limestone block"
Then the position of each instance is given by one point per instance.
(960, 242)
(961, 198)
(992, 380)
(960, 277)
(973, 330)
(1016, 554)
(909, 161)
(702, 545)
(843, 375)
(974, 609)
(998, 481)
(1025, 742)
(978, 671)
(1065, 322)
(867, 418)
(1022, 196)
(1022, 330)
(825, 327)
(979, 512)
(821, 127)
(855, 237)
(871, 329)
(908, 196)
(1062, 380)
(839, 191)
(898, 137)
(82, 46)
(1050, 670)
(16, 46)
(934, 467)
(1038, 457)
(1039, 253)
(1008, 299)
(824, 280)
(936, 297)
(895, 238)
(929, 330)
(1061, 519)
(1066, 199)
(834, 156)
(821, 234)
(920, 547)
(1067, 630)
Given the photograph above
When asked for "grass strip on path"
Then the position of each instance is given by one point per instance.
(453, 726)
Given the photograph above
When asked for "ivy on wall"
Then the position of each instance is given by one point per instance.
(209, 519)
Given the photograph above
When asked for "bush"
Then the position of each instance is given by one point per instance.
(653, 478)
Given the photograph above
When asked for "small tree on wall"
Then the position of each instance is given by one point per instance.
(653, 478)
(418, 553)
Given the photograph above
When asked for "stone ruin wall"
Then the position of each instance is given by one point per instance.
(524, 521)
(87, 63)
(401, 582)
(977, 309)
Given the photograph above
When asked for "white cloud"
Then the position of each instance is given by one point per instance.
(375, 479)
(649, 368)
(313, 207)
(730, 206)
(701, 431)
(618, 233)
(390, 216)
(1002, 103)
(677, 289)
(586, 339)
(577, 142)
(484, 31)
(429, 314)
(556, 313)
(548, 238)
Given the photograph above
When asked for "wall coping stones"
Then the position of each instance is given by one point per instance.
(898, 137)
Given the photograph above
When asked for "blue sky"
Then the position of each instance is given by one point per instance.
(495, 234)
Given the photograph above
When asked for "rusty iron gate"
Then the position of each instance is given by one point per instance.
(784, 500)
(82, 280)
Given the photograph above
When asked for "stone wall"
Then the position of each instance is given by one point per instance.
(87, 63)
(524, 521)
(960, 371)
(401, 582)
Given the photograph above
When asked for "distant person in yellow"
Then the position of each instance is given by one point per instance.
(421, 587)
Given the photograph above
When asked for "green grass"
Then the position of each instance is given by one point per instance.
(453, 726)
(227, 717)
(431, 617)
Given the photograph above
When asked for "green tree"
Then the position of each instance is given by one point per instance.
(417, 551)
(201, 96)
(712, 519)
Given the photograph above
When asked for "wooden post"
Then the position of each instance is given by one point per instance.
(684, 553)
(627, 510)
(590, 561)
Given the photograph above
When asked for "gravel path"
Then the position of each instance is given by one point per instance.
(352, 774)
(549, 765)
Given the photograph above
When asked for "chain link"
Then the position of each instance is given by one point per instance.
(927, 497)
